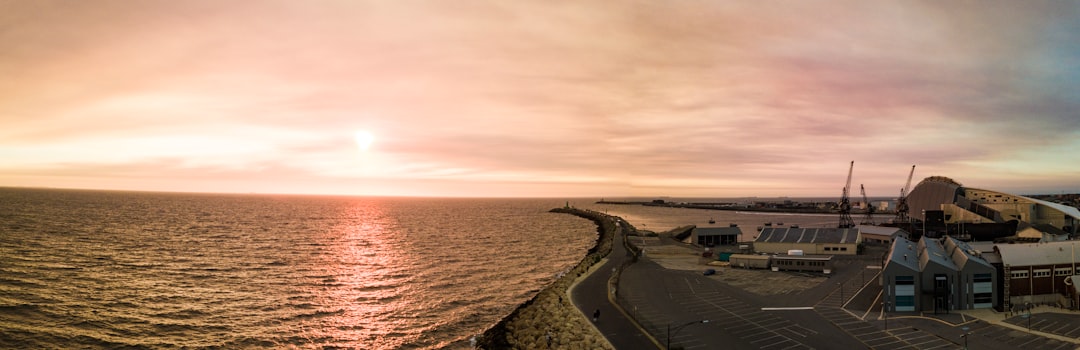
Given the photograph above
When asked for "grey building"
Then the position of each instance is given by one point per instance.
(929, 276)
(900, 276)
(938, 274)
(977, 276)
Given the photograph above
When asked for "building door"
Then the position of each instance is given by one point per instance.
(941, 293)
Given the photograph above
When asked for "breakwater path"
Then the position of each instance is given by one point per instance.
(561, 315)
(597, 291)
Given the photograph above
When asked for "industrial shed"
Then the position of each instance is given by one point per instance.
(714, 236)
(1036, 272)
(749, 261)
(880, 235)
(810, 263)
(814, 241)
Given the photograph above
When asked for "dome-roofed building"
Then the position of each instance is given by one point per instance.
(943, 206)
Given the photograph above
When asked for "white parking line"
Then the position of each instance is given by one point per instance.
(764, 339)
(787, 308)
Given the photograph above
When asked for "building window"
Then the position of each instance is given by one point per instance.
(905, 300)
(905, 280)
(984, 298)
(843, 249)
(1041, 273)
(1019, 274)
(1063, 271)
(982, 277)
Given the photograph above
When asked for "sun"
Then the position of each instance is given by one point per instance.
(364, 139)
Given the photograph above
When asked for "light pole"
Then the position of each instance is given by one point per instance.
(924, 222)
(677, 329)
(885, 311)
(965, 336)
(841, 294)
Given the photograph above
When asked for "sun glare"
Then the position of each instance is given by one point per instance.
(364, 140)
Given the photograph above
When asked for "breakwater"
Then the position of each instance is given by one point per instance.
(550, 317)
(730, 207)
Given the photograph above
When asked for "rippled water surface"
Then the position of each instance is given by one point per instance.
(87, 269)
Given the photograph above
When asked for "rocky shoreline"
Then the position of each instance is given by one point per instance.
(550, 317)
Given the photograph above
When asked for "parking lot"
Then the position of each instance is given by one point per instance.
(762, 309)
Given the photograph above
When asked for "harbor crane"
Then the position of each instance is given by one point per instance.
(869, 218)
(845, 202)
(901, 202)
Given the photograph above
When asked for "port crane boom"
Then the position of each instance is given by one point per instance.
(901, 202)
(845, 202)
(869, 218)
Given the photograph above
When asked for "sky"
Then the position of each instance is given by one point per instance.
(682, 98)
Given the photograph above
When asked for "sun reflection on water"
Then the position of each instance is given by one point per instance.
(365, 283)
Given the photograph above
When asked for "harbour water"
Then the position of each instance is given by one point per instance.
(661, 219)
(94, 269)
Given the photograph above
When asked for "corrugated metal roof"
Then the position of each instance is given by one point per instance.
(933, 252)
(878, 230)
(963, 254)
(808, 235)
(1030, 254)
(903, 253)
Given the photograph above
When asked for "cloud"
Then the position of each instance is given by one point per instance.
(680, 98)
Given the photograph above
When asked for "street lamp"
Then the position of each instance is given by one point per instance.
(1028, 317)
(679, 328)
(885, 311)
(841, 294)
(924, 222)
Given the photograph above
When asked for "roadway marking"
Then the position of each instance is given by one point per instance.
(787, 308)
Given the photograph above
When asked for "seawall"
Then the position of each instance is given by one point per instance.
(550, 313)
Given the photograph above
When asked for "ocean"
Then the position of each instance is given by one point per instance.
(105, 269)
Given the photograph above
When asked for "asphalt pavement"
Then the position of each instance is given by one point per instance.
(654, 307)
(592, 294)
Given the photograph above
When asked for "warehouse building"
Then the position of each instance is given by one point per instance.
(749, 261)
(715, 236)
(812, 241)
(1036, 272)
(880, 235)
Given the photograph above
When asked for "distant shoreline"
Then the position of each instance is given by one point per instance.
(724, 206)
